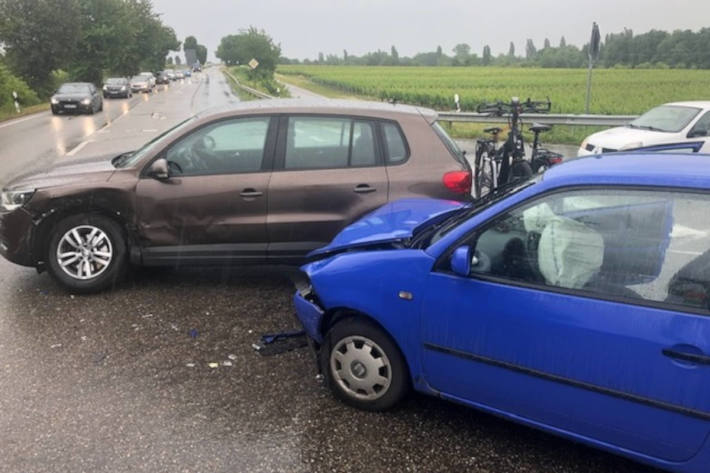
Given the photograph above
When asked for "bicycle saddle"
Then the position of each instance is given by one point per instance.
(493, 130)
(539, 127)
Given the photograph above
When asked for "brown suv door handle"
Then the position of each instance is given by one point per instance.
(249, 192)
(364, 189)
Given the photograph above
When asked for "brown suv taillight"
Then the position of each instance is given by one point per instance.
(458, 182)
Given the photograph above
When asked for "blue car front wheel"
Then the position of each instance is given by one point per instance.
(363, 366)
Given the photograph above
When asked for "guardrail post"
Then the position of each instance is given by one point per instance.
(17, 104)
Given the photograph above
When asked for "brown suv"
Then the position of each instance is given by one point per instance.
(266, 181)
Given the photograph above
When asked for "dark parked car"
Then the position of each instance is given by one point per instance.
(117, 87)
(577, 302)
(77, 97)
(256, 183)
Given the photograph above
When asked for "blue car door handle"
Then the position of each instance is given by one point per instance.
(685, 356)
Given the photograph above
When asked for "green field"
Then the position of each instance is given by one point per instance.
(615, 91)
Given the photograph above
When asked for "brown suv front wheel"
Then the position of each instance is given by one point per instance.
(87, 253)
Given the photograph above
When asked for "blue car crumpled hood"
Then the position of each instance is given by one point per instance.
(395, 221)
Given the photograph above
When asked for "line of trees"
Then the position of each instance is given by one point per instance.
(247, 45)
(679, 49)
(88, 39)
(200, 50)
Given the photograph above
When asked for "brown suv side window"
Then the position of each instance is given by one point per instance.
(394, 144)
(226, 147)
(329, 142)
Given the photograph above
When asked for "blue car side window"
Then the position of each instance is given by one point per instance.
(638, 245)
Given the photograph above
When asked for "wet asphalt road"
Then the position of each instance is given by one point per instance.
(121, 381)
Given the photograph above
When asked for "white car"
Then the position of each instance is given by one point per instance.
(677, 125)
(150, 76)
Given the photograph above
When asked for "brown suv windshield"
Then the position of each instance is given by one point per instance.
(128, 160)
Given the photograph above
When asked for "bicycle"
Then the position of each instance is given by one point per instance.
(497, 166)
(542, 158)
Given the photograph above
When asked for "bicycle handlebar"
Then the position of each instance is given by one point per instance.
(502, 108)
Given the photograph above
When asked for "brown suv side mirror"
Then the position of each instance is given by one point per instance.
(159, 170)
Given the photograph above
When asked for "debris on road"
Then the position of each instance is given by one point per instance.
(275, 343)
(213, 365)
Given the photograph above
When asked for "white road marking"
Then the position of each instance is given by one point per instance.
(150, 130)
(20, 120)
(78, 148)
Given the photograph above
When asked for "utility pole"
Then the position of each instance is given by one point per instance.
(593, 54)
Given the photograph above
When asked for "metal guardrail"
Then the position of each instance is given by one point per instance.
(250, 90)
(546, 118)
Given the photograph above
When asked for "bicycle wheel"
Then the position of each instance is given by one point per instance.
(484, 173)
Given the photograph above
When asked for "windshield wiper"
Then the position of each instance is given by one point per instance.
(119, 160)
(645, 127)
(651, 128)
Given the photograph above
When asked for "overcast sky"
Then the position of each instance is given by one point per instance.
(306, 27)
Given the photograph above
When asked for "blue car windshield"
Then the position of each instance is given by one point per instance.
(429, 235)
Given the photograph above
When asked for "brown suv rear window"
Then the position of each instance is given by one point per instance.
(449, 143)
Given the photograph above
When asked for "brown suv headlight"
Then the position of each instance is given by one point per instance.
(12, 200)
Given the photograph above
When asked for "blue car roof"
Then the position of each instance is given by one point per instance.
(648, 169)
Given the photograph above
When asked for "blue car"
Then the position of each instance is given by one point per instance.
(577, 302)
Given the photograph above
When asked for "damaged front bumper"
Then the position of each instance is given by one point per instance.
(309, 313)
(16, 232)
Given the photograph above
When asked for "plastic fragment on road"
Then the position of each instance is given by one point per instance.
(56, 345)
(226, 363)
(147, 316)
(190, 365)
(232, 357)
(213, 365)
(275, 343)
(193, 333)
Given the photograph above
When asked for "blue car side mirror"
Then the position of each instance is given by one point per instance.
(461, 261)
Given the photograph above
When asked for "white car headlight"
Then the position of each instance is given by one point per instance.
(123, 87)
(105, 87)
(635, 144)
(12, 200)
(86, 101)
(54, 100)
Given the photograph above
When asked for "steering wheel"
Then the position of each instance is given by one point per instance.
(202, 153)
(173, 164)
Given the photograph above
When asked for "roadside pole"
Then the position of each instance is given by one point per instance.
(593, 54)
(17, 104)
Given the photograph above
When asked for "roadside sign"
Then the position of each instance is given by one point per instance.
(253, 63)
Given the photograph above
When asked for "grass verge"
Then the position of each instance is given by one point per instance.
(271, 87)
(11, 114)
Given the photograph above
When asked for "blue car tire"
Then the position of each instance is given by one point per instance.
(363, 366)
